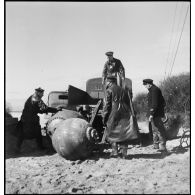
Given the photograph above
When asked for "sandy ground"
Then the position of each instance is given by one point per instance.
(145, 171)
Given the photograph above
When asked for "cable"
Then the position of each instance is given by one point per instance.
(179, 41)
(176, 40)
(170, 40)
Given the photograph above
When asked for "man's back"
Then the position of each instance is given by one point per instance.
(119, 95)
(30, 111)
(117, 103)
(156, 101)
(117, 115)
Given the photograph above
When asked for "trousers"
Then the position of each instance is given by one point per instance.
(158, 131)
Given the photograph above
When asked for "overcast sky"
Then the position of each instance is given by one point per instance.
(54, 44)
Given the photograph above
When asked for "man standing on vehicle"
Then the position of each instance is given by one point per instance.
(29, 126)
(156, 104)
(113, 67)
(116, 117)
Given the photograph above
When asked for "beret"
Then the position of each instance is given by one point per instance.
(147, 81)
(109, 53)
(39, 89)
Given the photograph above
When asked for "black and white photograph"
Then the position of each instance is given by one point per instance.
(97, 97)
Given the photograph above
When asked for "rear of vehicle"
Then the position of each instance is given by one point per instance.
(96, 90)
(58, 99)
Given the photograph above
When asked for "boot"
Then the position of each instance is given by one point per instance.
(114, 152)
(124, 152)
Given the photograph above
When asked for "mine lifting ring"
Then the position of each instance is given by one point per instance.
(92, 134)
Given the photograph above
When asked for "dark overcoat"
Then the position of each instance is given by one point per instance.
(117, 115)
(30, 119)
(156, 102)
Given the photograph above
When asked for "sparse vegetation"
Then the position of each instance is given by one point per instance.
(140, 105)
(176, 91)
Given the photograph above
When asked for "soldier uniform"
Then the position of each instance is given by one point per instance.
(29, 126)
(113, 67)
(156, 104)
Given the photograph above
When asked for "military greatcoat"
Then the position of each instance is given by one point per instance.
(117, 115)
(30, 118)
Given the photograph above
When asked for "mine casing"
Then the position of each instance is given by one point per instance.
(74, 139)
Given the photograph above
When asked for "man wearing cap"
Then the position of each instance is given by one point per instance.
(116, 117)
(30, 127)
(156, 104)
(113, 67)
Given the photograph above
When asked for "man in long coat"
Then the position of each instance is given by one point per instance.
(29, 125)
(113, 67)
(117, 117)
(156, 104)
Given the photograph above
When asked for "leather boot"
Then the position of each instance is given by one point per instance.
(114, 152)
(124, 151)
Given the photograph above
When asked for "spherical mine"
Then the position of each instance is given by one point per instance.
(74, 139)
(60, 116)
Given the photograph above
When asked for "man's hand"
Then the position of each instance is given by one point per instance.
(150, 118)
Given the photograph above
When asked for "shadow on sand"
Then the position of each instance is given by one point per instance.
(35, 153)
(103, 153)
(155, 155)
